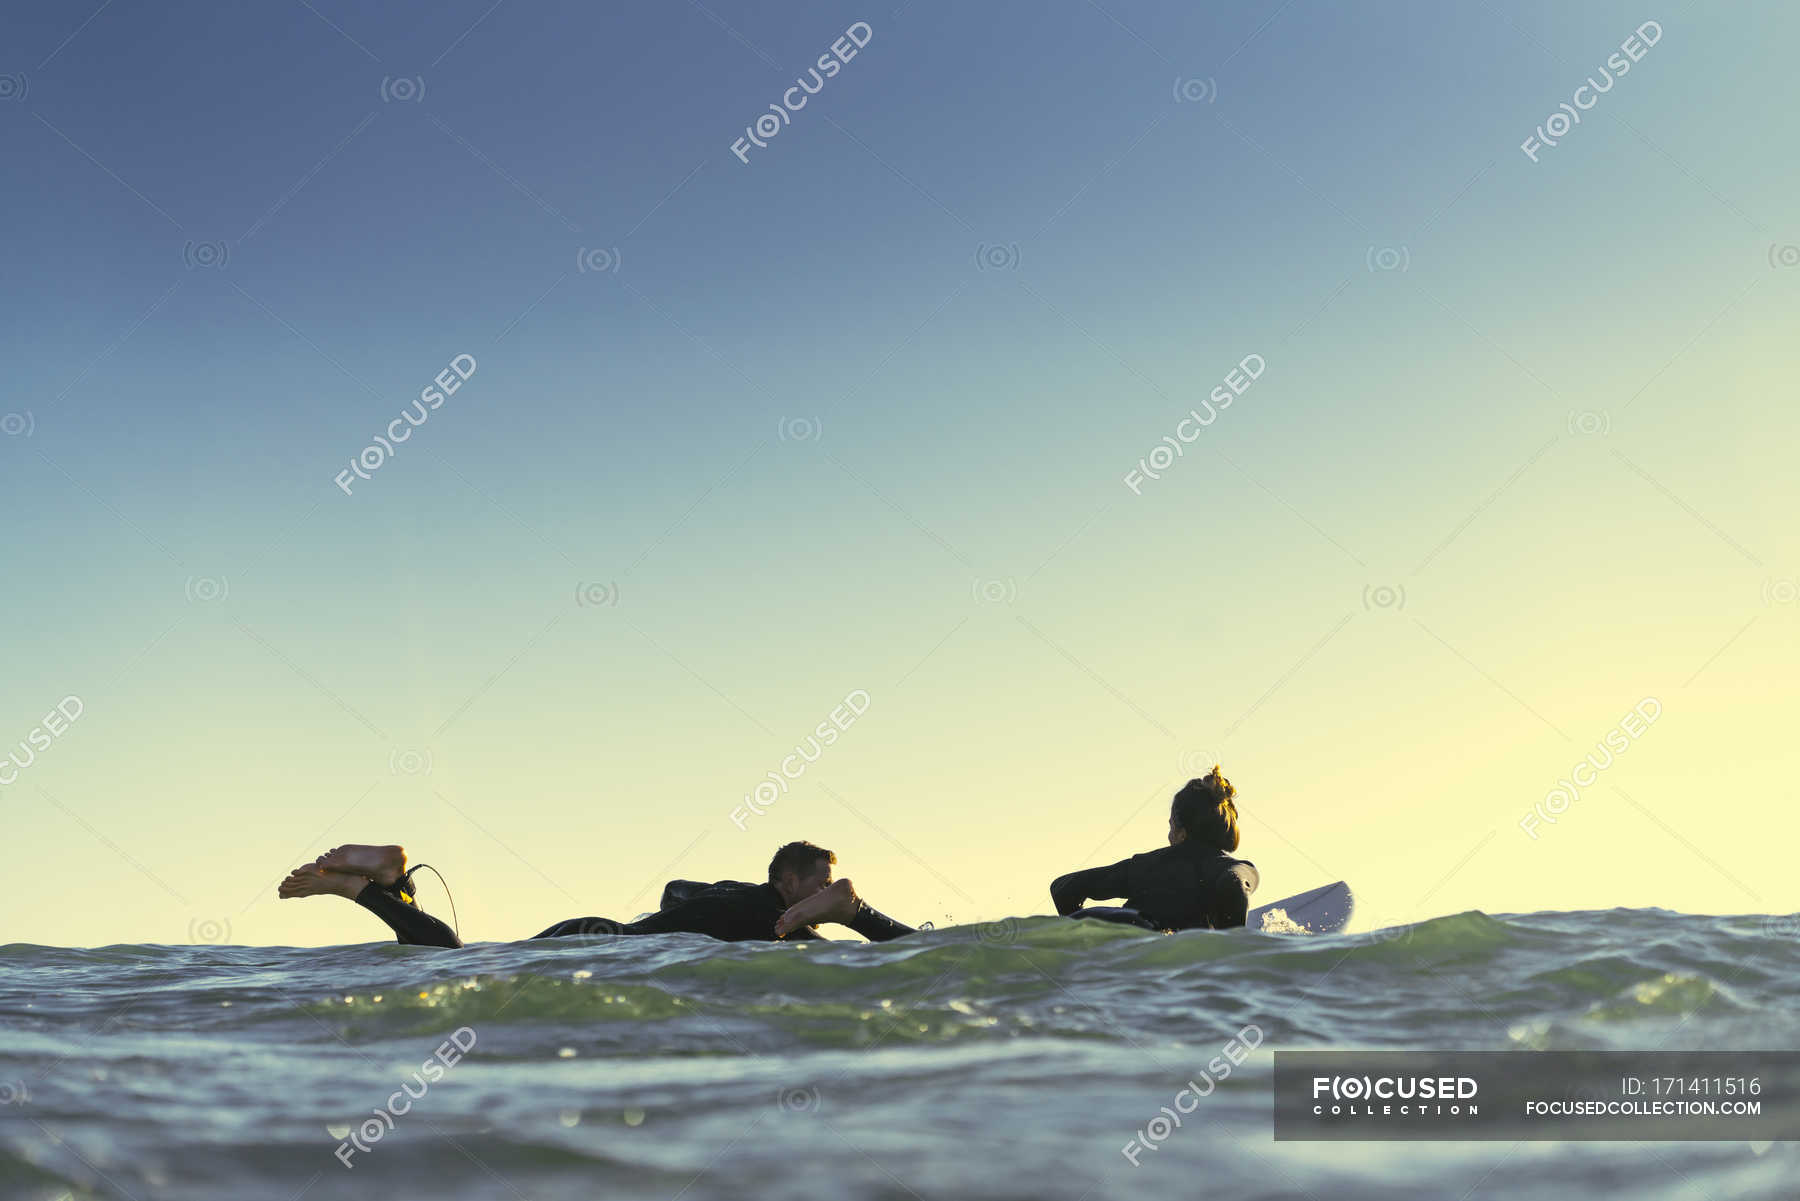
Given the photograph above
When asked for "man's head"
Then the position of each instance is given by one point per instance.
(1203, 812)
(800, 869)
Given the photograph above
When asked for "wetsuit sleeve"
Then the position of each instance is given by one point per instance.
(1231, 896)
(1069, 893)
(411, 925)
(875, 925)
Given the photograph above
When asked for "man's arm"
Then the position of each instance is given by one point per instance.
(1069, 893)
(874, 925)
(839, 903)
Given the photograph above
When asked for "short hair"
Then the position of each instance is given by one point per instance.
(1203, 808)
(798, 857)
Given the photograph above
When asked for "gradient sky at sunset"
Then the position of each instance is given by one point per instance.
(858, 413)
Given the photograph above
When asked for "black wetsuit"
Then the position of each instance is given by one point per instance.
(729, 910)
(1185, 886)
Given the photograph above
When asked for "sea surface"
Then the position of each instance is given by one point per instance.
(1015, 1059)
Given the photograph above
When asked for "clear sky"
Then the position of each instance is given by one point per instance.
(748, 430)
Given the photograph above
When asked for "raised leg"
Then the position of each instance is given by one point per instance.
(411, 925)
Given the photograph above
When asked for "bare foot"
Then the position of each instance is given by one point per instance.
(311, 881)
(834, 903)
(380, 864)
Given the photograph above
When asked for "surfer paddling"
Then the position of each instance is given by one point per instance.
(798, 896)
(1191, 883)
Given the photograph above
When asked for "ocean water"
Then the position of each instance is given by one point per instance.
(1015, 1059)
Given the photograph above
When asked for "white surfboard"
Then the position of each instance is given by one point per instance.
(1323, 910)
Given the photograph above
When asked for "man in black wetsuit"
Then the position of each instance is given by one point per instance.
(799, 894)
(1192, 882)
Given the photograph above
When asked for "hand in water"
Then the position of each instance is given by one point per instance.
(834, 903)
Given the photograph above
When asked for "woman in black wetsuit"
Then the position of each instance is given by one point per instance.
(1192, 882)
